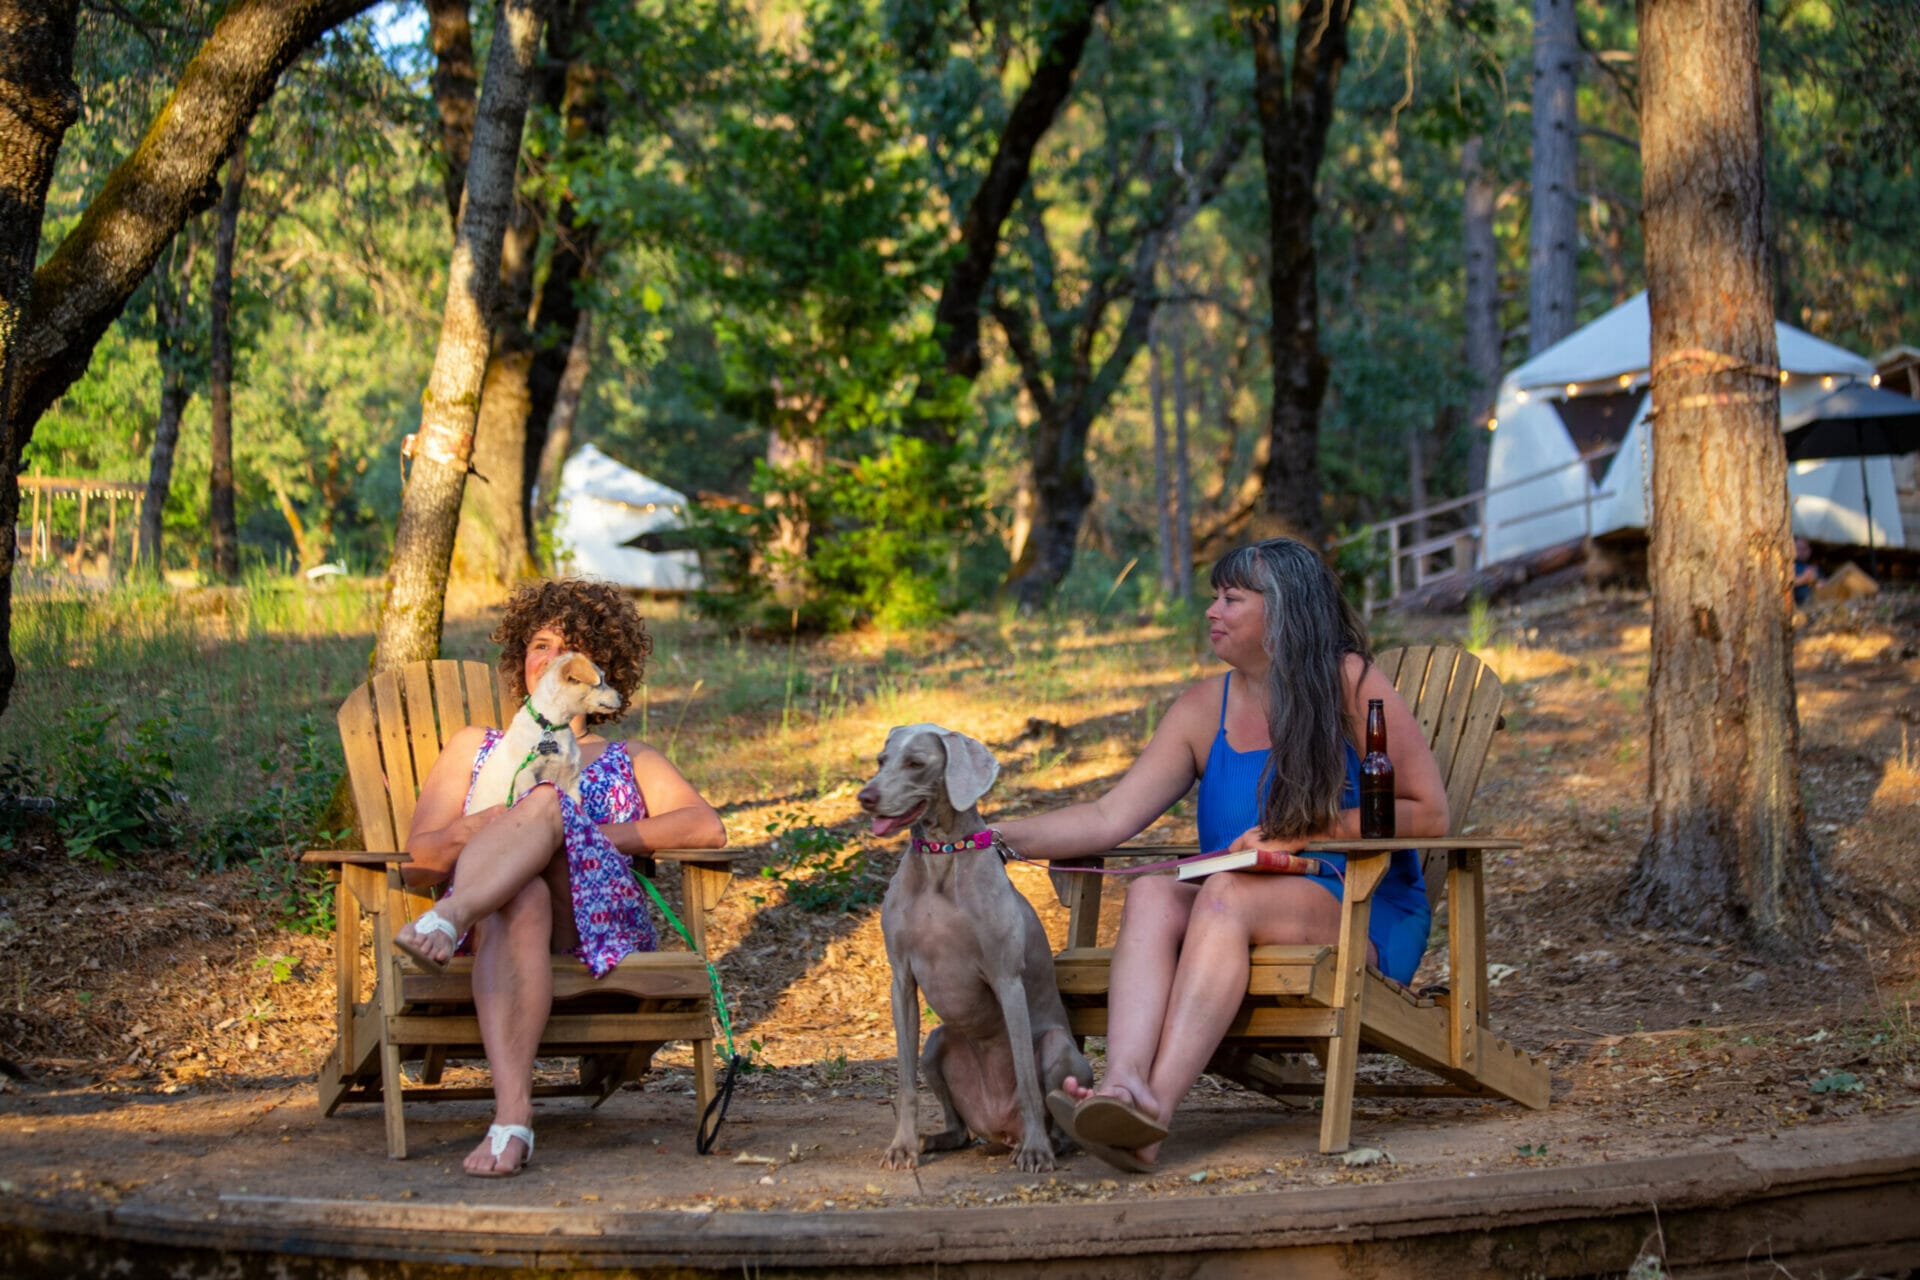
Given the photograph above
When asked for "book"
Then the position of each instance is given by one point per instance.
(1267, 860)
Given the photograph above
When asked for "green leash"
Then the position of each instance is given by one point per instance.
(546, 741)
(709, 1128)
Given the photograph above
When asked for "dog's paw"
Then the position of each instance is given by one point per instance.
(900, 1156)
(1034, 1159)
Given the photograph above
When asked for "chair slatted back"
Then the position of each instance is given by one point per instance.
(393, 728)
(1456, 698)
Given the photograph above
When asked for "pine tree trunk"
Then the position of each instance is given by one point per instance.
(410, 618)
(1296, 110)
(1162, 484)
(1728, 848)
(1552, 236)
(169, 314)
(222, 527)
(1182, 470)
(450, 31)
(1482, 303)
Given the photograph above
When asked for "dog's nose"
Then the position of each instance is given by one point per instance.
(868, 797)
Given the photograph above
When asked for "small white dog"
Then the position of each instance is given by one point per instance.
(539, 745)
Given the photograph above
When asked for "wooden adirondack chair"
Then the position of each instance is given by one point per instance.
(1328, 1000)
(391, 1010)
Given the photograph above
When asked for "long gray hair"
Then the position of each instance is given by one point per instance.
(1310, 628)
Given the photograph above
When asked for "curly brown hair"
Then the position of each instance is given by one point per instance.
(596, 618)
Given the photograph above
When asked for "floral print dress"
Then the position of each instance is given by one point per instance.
(608, 910)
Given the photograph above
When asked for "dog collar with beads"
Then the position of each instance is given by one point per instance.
(978, 840)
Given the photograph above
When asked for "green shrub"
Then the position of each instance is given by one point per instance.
(889, 532)
(113, 790)
(814, 868)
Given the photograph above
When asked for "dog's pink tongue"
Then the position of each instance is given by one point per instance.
(886, 826)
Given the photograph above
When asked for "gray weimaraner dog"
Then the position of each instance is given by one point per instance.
(959, 932)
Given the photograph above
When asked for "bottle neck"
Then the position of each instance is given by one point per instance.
(1376, 727)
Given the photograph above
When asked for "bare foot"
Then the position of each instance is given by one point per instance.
(503, 1153)
(431, 939)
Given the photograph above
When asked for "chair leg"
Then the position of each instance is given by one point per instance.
(703, 1086)
(391, 1099)
(1336, 1106)
(333, 1085)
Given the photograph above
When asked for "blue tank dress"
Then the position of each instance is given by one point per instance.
(1230, 803)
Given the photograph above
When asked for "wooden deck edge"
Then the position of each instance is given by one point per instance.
(1807, 1199)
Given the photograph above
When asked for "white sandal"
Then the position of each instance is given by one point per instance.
(429, 921)
(498, 1136)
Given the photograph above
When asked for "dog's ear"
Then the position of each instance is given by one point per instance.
(971, 769)
(580, 669)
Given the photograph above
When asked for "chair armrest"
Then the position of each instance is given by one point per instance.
(1443, 844)
(717, 859)
(355, 857)
(1122, 851)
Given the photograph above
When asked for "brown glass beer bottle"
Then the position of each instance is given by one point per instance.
(1376, 777)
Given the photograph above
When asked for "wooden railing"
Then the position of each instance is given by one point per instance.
(1417, 554)
(37, 546)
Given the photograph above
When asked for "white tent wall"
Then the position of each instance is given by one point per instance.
(1540, 495)
(601, 505)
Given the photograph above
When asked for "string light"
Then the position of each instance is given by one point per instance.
(1783, 377)
(1492, 423)
(1626, 380)
(1573, 389)
(1826, 383)
(1522, 397)
(1875, 380)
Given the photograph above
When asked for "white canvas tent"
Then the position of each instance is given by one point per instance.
(1590, 389)
(602, 507)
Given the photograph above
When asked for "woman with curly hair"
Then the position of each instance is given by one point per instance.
(546, 876)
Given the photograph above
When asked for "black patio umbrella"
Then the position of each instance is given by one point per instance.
(1855, 421)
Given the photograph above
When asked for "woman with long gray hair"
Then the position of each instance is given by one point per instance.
(1273, 742)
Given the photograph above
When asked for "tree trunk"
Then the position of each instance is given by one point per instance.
(956, 317)
(493, 548)
(220, 518)
(566, 408)
(1062, 492)
(411, 616)
(1162, 485)
(176, 389)
(38, 101)
(1295, 112)
(1069, 391)
(1552, 240)
(490, 548)
(1182, 470)
(80, 290)
(1728, 849)
(793, 522)
(1482, 303)
(451, 33)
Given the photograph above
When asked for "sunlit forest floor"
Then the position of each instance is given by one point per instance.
(154, 978)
